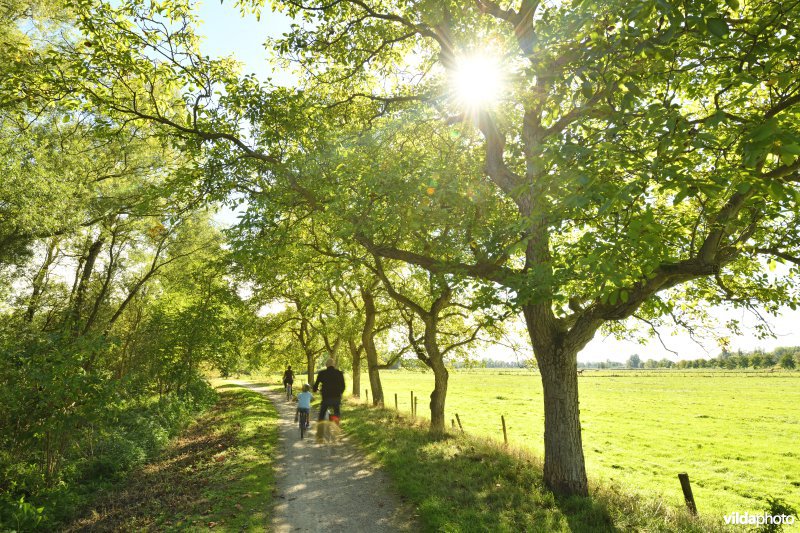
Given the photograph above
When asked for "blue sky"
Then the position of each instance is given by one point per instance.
(228, 33)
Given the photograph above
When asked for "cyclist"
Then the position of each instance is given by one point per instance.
(304, 404)
(332, 381)
(288, 379)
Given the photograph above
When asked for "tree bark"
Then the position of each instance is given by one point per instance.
(564, 465)
(310, 360)
(37, 284)
(368, 341)
(83, 284)
(438, 395)
(557, 356)
(355, 352)
(110, 268)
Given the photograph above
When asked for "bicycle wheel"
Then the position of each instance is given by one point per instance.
(303, 420)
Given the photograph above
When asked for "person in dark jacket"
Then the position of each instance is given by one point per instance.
(332, 381)
(288, 376)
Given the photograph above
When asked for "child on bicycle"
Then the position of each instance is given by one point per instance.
(304, 402)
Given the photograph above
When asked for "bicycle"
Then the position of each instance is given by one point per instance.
(288, 387)
(303, 422)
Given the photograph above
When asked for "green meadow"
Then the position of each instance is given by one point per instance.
(736, 434)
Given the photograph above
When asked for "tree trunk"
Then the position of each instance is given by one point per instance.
(435, 361)
(368, 341)
(104, 287)
(438, 395)
(37, 284)
(557, 356)
(374, 372)
(83, 284)
(355, 351)
(564, 466)
(310, 360)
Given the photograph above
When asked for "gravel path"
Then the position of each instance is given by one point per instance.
(329, 488)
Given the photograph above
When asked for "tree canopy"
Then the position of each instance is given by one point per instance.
(633, 162)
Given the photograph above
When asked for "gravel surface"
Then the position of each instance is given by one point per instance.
(329, 487)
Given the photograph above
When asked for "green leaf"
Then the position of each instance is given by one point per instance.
(776, 191)
(586, 89)
(718, 27)
(766, 130)
(793, 149)
(680, 196)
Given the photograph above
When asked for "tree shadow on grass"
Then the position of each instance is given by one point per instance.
(462, 483)
(196, 482)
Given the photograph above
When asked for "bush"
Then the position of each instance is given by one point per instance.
(19, 515)
(121, 436)
(776, 507)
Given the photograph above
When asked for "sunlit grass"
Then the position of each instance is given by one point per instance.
(735, 435)
(467, 483)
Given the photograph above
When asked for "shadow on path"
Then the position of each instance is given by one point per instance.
(328, 487)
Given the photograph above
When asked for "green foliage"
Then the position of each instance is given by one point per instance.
(777, 507)
(643, 162)
(20, 515)
(223, 461)
(116, 293)
(113, 439)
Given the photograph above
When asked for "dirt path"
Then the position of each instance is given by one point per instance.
(330, 488)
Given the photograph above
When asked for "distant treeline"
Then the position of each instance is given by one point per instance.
(784, 357)
(494, 363)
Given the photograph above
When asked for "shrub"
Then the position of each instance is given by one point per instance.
(776, 507)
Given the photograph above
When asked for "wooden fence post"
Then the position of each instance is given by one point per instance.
(505, 435)
(412, 403)
(395, 403)
(367, 395)
(687, 492)
(415, 406)
(458, 419)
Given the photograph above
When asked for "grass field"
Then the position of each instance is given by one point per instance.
(736, 435)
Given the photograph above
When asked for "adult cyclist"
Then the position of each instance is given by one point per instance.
(332, 381)
(288, 380)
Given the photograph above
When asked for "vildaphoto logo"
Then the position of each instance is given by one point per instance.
(746, 518)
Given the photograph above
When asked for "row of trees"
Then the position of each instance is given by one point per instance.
(116, 291)
(641, 165)
(785, 357)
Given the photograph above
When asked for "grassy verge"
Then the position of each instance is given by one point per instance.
(465, 483)
(734, 433)
(216, 474)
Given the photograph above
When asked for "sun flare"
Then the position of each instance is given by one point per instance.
(477, 81)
